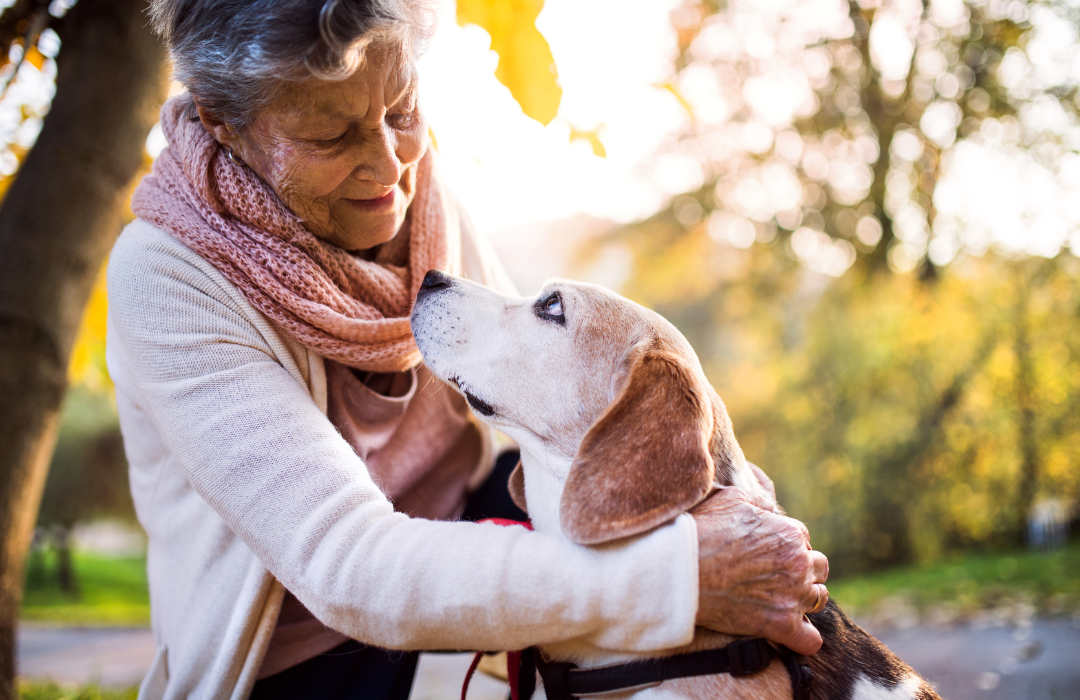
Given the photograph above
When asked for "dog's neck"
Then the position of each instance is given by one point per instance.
(545, 478)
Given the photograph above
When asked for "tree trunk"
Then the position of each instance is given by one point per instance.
(57, 222)
(883, 115)
(886, 116)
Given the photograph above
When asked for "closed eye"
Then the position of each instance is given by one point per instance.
(550, 308)
(331, 142)
(402, 121)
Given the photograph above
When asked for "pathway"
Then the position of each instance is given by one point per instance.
(1040, 661)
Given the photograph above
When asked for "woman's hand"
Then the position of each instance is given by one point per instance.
(757, 574)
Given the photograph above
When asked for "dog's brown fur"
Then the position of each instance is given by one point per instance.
(656, 480)
(654, 453)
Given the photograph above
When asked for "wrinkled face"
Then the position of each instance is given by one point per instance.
(541, 368)
(342, 155)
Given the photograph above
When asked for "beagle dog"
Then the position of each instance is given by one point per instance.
(620, 432)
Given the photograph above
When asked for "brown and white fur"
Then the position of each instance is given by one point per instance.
(620, 432)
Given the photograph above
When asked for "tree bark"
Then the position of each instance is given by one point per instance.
(57, 223)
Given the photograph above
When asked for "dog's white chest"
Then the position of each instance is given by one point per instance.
(544, 483)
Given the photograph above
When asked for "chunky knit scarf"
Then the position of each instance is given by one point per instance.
(346, 308)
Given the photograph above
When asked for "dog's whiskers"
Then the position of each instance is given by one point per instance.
(431, 380)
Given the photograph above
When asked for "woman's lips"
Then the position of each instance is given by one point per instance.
(377, 204)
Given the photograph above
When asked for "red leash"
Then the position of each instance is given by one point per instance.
(469, 675)
(513, 658)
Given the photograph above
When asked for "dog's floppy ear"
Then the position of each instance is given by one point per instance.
(646, 459)
(516, 485)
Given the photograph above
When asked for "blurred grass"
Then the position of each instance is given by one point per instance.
(48, 690)
(111, 592)
(1048, 582)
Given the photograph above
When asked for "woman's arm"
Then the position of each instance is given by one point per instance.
(254, 445)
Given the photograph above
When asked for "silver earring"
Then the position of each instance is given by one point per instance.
(232, 156)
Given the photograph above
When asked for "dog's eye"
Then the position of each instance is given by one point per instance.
(550, 308)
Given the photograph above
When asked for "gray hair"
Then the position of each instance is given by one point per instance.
(234, 56)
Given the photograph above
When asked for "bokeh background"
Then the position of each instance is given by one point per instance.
(865, 216)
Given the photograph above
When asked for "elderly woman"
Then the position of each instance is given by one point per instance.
(295, 466)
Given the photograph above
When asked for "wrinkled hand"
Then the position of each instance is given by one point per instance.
(757, 574)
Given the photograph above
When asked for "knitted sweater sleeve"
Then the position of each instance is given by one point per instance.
(254, 445)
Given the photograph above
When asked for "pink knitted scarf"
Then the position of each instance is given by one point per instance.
(343, 307)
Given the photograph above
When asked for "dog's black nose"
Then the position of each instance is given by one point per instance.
(435, 279)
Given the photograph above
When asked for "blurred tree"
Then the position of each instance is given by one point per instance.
(57, 221)
(892, 330)
(900, 420)
(826, 125)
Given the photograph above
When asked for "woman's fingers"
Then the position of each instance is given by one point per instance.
(822, 598)
(794, 530)
(803, 532)
(819, 566)
(815, 599)
(802, 637)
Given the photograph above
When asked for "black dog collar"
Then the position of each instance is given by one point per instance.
(565, 681)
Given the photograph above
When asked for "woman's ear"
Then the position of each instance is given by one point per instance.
(222, 132)
(646, 459)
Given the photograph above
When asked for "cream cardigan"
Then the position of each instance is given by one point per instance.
(246, 489)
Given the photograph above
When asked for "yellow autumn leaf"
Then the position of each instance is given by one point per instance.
(592, 138)
(674, 90)
(526, 65)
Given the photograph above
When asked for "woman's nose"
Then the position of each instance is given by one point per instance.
(380, 162)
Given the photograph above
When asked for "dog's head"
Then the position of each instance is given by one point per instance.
(587, 375)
